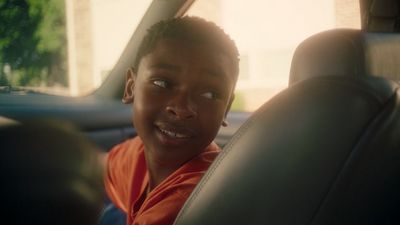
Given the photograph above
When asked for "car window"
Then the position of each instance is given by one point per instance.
(63, 47)
(267, 33)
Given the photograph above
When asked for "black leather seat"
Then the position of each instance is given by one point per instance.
(324, 151)
(347, 52)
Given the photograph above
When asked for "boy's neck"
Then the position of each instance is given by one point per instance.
(158, 172)
(156, 176)
(161, 166)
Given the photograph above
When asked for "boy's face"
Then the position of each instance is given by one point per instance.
(180, 96)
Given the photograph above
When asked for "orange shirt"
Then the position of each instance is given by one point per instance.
(127, 179)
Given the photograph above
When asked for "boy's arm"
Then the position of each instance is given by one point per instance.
(111, 214)
(114, 177)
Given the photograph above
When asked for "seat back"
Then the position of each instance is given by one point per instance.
(347, 52)
(324, 151)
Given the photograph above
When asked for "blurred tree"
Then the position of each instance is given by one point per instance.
(32, 42)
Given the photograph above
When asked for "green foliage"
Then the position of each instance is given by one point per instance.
(239, 103)
(32, 42)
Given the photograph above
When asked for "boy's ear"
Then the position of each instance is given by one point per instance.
(129, 86)
(224, 122)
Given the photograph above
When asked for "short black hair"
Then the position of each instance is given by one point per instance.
(192, 29)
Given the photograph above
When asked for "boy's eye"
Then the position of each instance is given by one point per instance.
(210, 95)
(161, 83)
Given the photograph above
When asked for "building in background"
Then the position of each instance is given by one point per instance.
(98, 31)
(80, 46)
(266, 32)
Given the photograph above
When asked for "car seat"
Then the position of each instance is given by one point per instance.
(324, 151)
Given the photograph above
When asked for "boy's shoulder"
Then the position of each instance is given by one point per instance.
(135, 142)
(210, 152)
(131, 147)
(203, 160)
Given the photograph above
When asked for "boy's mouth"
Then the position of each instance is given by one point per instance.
(174, 134)
(171, 131)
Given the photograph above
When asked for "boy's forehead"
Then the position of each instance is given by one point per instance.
(167, 51)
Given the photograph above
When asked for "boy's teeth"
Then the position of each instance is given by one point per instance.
(172, 134)
(180, 136)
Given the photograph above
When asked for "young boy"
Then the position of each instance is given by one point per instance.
(181, 88)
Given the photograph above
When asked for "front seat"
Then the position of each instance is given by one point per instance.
(324, 151)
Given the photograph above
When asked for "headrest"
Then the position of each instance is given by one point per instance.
(384, 8)
(347, 52)
(383, 16)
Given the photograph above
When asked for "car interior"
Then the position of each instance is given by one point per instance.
(324, 150)
(100, 114)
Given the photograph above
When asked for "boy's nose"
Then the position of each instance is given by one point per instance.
(182, 107)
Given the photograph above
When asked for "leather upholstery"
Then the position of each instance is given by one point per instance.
(383, 16)
(324, 151)
(333, 52)
(347, 52)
